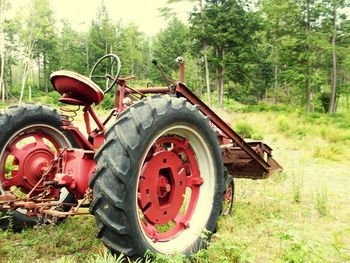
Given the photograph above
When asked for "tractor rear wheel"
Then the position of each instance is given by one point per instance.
(159, 180)
(30, 137)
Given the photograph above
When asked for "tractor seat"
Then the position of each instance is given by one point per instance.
(75, 88)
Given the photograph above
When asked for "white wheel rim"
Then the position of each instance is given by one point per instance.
(200, 217)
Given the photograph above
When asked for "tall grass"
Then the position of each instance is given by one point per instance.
(300, 215)
(321, 201)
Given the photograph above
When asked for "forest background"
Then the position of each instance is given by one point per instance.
(280, 71)
(293, 52)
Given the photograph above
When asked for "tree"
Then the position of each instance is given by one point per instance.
(230, 30)
(71, 49)
(2, 52)
(45, 38)
(282, 21)
(333, 7)
(3, 10)
(133, 49)
(12, 45)
(101, 37)
(204, 49)
(38, 38)
(170, 43)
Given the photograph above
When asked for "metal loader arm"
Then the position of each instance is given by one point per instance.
(267, 166)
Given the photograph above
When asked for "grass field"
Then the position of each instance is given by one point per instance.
(299, 215)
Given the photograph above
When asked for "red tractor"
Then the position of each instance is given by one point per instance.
(154, 173)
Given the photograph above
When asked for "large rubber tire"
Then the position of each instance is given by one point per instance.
(17, 121)
(116, 182)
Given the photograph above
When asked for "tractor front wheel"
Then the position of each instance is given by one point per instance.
(159, 180)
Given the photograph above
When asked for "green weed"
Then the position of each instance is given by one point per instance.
(279, 177)
(303, 251)
(339, 243)
(329, 152)
(297, 186)
(106, 257)
(321, 201)
(224, 249)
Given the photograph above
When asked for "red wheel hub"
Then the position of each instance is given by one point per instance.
(163, 187)
(228, 195)
(169, 170)
(28, 163)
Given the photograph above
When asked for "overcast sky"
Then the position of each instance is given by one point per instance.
(143, 13)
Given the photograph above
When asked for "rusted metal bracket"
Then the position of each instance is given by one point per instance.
(182, 90)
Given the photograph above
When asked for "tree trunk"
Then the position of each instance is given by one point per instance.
(10, 80)
(45, 74)
(222, 80)
(27, 65)
(87, 57)
(308, 49)
(2, 51)
(207, 74)
(39, 76)
(199, 78)
(220, 77)
(221, 88)
(308, 90)
(2, 83)
(332, 104)
(205, 51)
(275, 84)
(30, 84)
(24, 79)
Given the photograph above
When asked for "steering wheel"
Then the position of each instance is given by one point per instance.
(106, 71)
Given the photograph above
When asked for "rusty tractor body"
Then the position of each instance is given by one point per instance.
(153, 172)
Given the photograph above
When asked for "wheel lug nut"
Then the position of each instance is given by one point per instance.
(167, 188)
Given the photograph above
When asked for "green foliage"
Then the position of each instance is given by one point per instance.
(332, 152)
(299, 215)
(290, 128)
(71, 50)
(225, 249)
(303, 251)
(169, 44)
(324, 98)
(65, 239)
(246, 130)
(269, 53)
(266, 107)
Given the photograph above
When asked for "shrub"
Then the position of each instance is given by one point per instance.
(283, 124)
(325, 98)
(247, 130)
(266, 107)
